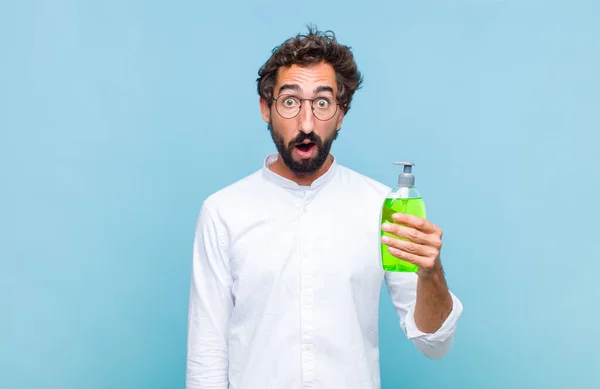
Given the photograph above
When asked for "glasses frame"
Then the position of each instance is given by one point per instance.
(312, 101)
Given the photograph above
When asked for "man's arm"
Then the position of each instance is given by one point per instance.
(434, 302)
(428, 310)
(423, 317)
(210, 306)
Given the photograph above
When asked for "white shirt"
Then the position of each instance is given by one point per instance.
(286, 282)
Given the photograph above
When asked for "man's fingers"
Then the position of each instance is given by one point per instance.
(410, 247)
(415, 235)
(419, 223)
(422, 262)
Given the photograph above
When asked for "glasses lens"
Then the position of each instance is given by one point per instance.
(324, 108)
(288, 106)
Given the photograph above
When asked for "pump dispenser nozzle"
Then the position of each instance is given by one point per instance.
(406, 178)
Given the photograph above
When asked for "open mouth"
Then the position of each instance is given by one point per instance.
(304, 147)
(305, 150)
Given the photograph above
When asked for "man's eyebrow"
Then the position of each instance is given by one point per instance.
(294, 87)
(323, 88)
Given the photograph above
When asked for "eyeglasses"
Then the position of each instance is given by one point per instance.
(288, 106)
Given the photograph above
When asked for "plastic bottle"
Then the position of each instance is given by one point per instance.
(403, 199)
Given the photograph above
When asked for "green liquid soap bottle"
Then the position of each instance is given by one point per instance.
(403, 199)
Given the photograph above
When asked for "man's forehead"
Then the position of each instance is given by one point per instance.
(307, 78)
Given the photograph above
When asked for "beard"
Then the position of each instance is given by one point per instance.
(304, 166)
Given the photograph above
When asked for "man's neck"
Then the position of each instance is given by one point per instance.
(280, 168)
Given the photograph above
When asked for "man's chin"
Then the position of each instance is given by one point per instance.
(303, 171)
(304, 167)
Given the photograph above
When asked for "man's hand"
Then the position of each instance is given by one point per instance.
(424, 246)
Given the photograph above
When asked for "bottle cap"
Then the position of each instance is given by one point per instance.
(406, 178)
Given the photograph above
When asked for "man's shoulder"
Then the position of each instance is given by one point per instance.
(234, 192)
(363, 181)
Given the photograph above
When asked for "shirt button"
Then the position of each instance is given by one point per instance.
(305, 211)
(307, 348)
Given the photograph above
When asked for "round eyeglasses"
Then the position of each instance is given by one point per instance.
(288, 106)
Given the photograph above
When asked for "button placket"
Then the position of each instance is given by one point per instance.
(307, 298)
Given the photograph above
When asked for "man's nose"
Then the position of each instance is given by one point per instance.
(306, 119)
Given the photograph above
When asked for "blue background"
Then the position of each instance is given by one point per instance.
(118, 118)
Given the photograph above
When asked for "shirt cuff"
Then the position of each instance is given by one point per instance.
(444, 332)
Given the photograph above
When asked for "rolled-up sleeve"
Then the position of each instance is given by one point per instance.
(210, 306)
(403, 292)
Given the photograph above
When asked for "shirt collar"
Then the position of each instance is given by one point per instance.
(289, 184)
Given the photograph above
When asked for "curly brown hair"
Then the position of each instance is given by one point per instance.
(312, 48)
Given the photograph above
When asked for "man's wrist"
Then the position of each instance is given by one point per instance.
(434, 274)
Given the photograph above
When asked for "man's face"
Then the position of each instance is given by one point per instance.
(303, 141)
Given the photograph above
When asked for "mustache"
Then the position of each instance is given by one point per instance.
(303, 136)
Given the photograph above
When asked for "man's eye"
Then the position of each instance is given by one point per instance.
(289, 102)
(322, 103)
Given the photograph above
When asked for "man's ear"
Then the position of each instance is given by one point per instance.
(340, 120)
(265, 110)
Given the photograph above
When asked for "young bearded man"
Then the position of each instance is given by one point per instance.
(287, 267)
